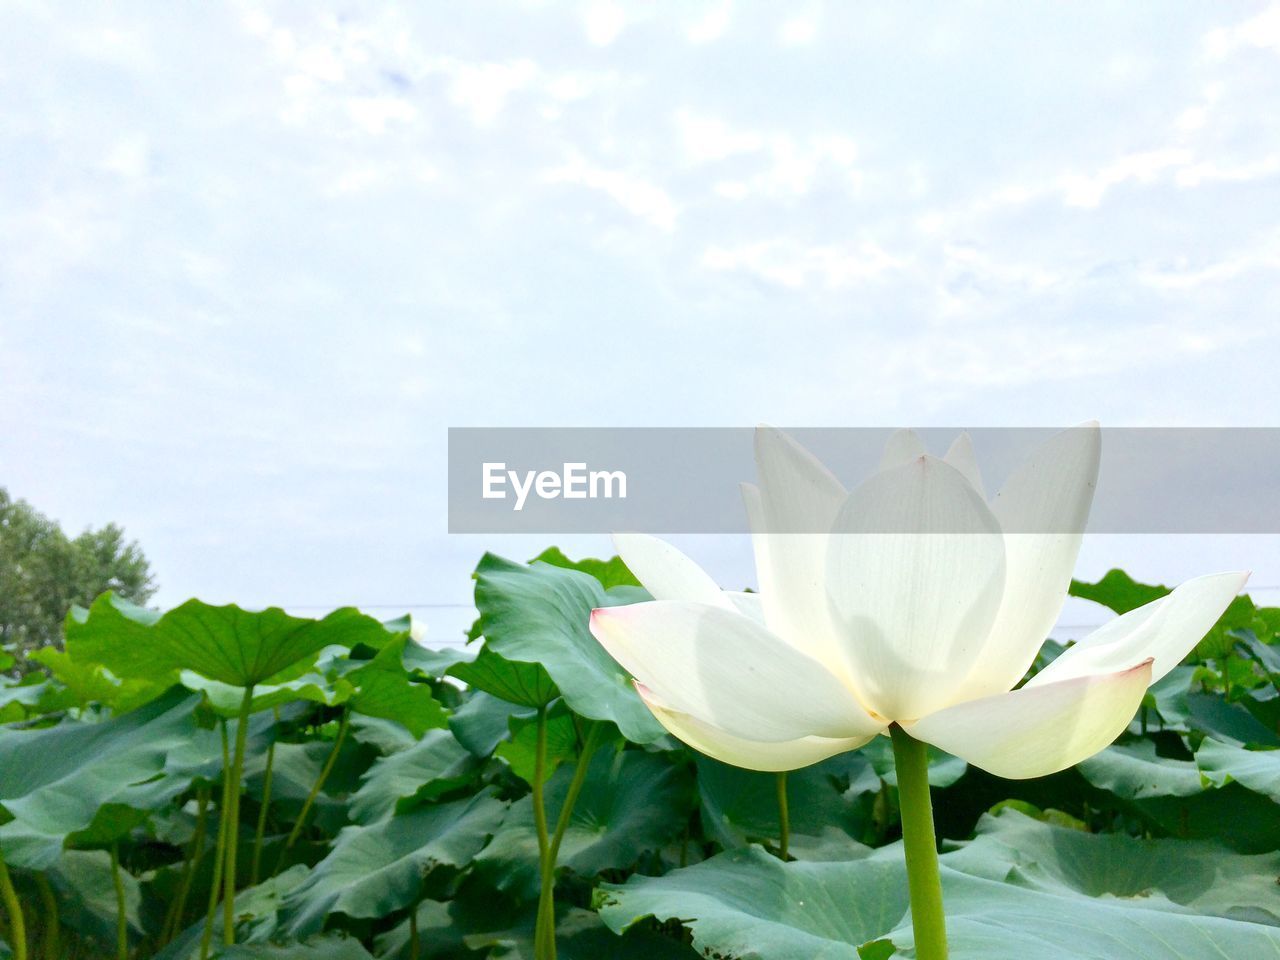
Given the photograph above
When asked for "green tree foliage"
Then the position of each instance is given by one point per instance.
(44, 572)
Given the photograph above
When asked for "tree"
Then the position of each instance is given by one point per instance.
(43, 572)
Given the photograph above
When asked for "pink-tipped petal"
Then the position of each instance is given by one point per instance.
(728, 671)
(749, 754)
(1036, 731)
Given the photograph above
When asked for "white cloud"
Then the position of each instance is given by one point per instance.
(1087, 190)
(1261, 31)
(482, 89)
(638, 196)
(797, 266)
(712, 24)
(604, 20)
(798, 31)
(706, 139)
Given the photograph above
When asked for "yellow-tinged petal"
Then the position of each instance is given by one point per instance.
(1042, 508)
(1036, 731)
(1164, 630)
(750, 754)
(666, 572)
(915, 572)
(729, 671)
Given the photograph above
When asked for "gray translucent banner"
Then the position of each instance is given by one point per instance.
(687, 480)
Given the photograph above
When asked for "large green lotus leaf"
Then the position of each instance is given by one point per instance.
(1202, 876)
(385, 688)
(476, 920)
(1133, 771)
(483, 721)
(527, 684)
(91, 683)
(432, 766)
(86, 894)
(256, 917)
(611, 573)
(741, 806)
(385, 736)
(1259, 770)
(225, 700)
(1182, 707)
(375, 870)
(332, 947)
(1021, 889)
(540, 614)
(1231, 814)
(233, 646)
(562, 743)
(1118, 591)
(53, 781)
(32, 694)
(631, 802)
(433, 663)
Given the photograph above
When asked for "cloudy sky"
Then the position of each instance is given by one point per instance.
(254, 260)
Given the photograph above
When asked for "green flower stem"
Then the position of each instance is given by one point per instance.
(220, 848)
(784, 818)
(911, 759)
(545, 930)
(260, 832)
(413, 933)
(177, 909)
(122, 916)
(233, 820)
(17, 923)
(315, 789)
(52, 932)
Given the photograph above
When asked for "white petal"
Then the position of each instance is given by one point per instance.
(729, 671)
(748, 604)
(666, 572)
(1042, 509)
(961, 457)
(1165, 630)
(1036, 731)
(903, 447)
(751, 754)
(915, 573)
(790, 514)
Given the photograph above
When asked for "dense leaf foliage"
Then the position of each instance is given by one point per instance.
(361, 796)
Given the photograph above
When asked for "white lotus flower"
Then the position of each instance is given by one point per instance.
(924, 606)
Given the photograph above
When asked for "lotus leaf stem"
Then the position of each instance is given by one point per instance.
(784, 818)
(233, 820)
(260, 832)
(17, 923)
(220, 848)
(122, 916)
(315, 789)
